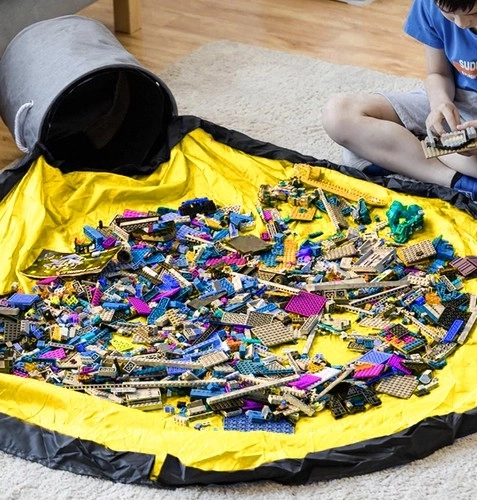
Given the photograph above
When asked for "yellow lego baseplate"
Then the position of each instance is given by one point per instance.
(314, 176)
(434, 151)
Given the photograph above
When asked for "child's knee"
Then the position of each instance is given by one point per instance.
(335, 115)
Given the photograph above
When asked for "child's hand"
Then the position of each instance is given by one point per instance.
(446, 112)
(463, 126)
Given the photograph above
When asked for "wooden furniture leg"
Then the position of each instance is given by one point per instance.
(127, 15)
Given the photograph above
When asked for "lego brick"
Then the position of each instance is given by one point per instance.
(244, 424)
(399, 386)
(416, 252)
(306, 304)
(274, 334)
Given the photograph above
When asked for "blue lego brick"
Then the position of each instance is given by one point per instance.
(22, 300)
(149, 371)
(270, 307)
(412, 346)
(186, 230)
(244, 424)
(220, 235)
(173, 370)
(181, 262)
(154, 258)
(453, 331)
(117, 306)
(204, 393)
(233, 231)
(197, 206)
(94, 235)
(376, 357)
(170, 215)
(168, 284)
(138, 254)
(149, 295)
(238, 219)
(269, 259)
(444, 249)
(226, 285)
(249, 367)
(212, 343)
(158, 311)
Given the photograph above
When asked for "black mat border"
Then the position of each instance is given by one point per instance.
(58, 451)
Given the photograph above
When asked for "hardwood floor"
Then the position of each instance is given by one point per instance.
(370, 36)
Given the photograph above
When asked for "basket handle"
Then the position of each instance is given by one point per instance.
(18, 127)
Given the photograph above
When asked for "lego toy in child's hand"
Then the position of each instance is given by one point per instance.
(459, 141)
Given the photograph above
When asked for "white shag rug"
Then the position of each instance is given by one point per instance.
(274, 97)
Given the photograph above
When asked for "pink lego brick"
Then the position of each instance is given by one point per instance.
(374, 371)
(133, 213)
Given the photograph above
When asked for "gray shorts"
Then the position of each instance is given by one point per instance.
(413, 109)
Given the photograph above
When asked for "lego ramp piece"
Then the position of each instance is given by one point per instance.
(315, 176)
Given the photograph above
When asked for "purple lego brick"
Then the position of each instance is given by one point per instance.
(96, 298)
(306, 304)
(465, 266)
(139, 305)
(267, 215)
(396, 362)
(56, 354)
(305, 381)
(167, 293)
(248, 404)
(109, 242)
(139, 254)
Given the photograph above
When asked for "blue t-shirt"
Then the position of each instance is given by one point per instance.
(426, 23)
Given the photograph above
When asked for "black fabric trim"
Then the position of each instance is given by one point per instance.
(57, 451)
(364, 457)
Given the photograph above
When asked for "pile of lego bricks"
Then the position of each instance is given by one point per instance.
(193, 317)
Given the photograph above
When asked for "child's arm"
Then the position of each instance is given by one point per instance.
(440, 89)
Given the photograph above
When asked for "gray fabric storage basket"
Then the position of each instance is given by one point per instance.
(70, 90)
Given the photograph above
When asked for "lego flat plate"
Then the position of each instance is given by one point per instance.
(399, 386)
(303, 214)
(244, 424)
(306, 304)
